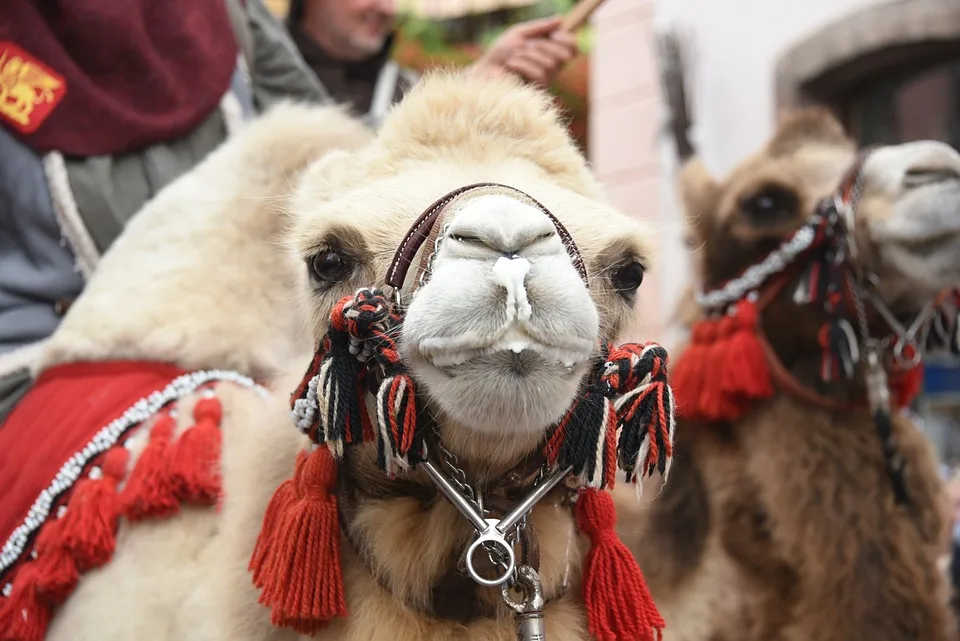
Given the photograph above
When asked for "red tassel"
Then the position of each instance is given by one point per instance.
(303, 582)
(89, 524)
(619, 605)
(149, 490)
(55, 569)
(746, 372)
(906, 385)
(262, 560)
(23, 615)
(195, 460)
(688, 371)
(714, 404)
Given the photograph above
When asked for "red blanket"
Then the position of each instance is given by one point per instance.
(67, 477)
(58, 417)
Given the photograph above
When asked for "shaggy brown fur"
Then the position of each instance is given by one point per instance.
(782, 526)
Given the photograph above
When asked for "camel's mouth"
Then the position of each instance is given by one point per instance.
(519, 364)
(926, 217)
(508, 383)
(918, 248)
(515, 347)
(518, 353)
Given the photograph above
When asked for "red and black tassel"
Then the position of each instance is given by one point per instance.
(645, 408)
(629, 394)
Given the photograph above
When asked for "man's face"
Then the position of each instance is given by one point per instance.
(359, 28)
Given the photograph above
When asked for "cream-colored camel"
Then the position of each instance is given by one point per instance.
(499, 339)
(782, 524)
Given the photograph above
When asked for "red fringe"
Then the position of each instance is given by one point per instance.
(724, 368)
(714, 404)
(149, 490)
(55, 568)
(619, 605)
(84, 537)
(195, 460)
(25, 616)
(297, 557)
(747, 372)
(689, 370)
(89, 525)
(261, 559)
(906, 385)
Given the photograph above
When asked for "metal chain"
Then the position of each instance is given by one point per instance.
(458, 477)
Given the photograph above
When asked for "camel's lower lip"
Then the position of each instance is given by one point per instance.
(505, 365)
(562, 357)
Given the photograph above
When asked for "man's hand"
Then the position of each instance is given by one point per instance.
(534, 50)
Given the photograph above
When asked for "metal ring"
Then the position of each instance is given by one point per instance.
(495, 538)
(898, 353)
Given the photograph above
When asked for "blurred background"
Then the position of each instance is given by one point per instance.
(889, 69)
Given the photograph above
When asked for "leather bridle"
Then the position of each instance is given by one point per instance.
(455, 597)
(834, 224)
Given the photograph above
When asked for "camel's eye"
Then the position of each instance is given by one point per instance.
(771, 205)
(328, 266)
(626, 278)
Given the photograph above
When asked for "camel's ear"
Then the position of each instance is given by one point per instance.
(697, 189)
(798, 128)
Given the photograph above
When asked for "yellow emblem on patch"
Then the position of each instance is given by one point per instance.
(29, 90)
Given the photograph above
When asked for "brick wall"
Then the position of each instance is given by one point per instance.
(624, 123)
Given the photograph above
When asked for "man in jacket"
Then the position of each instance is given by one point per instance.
(101, 106)
(347, 44)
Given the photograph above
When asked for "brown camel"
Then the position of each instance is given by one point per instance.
(789, 514)
(244, 266)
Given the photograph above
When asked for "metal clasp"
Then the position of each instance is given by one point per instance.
(492, 532)
(529, 612)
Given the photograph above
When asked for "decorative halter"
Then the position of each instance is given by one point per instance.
(729, 363)
(623, 418)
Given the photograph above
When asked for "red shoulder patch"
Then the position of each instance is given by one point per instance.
(29, 89)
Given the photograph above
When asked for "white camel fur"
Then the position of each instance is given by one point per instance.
(216, 273)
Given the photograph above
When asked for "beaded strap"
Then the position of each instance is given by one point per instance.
(755, 275)
(107, 437)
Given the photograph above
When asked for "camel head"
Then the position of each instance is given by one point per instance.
(907, 215)
(895, 215)
(909, 222)
(507, 300)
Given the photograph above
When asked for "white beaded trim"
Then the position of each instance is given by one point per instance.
(106, 438)
(756, 275)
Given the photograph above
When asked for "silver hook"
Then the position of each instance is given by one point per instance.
(529, 582)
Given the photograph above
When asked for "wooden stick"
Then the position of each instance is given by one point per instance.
(579, 15)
